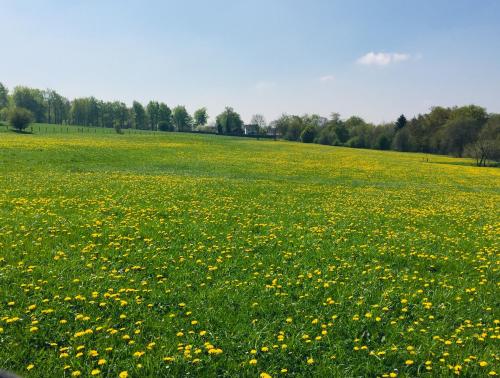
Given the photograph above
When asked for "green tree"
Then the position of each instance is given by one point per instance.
(402, 141)
(433, 124)
(57, 107)
(88, 111)
(138, 115)
(229, 122)
(152, 110)
(341, 132)
(290, 126)
(4, 96)
(181, 118)
(78, 111)
(487, 146)
(165, 118)
(308, 134)
(400, 123)
(474, 112)
(120, 115)
(20, 118)
(459, 132)
(281, 124)
(383, 142)
(327, 136)
(200, 117)
(113, 113)
(117, 126)
(333, 132)
(31, 99)
(359, 132)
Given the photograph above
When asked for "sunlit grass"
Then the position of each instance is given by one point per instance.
(175, 254)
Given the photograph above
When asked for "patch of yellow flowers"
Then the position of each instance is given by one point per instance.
(132, 255)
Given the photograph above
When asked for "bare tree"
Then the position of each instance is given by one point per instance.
(259, 120)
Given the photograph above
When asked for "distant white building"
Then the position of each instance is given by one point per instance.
(250, 129)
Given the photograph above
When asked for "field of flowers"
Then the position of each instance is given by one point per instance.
(188, 255)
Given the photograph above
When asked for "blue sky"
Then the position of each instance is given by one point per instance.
(373, 58)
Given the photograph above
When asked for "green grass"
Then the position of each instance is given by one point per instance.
(45, 128)
(203, 251)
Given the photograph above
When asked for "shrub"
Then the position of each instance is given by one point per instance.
(20, 118)
(354, 142)
(118, 128)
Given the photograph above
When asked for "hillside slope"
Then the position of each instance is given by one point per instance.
(169, 254)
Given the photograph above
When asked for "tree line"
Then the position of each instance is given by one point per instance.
(48, 106)
(459, 131)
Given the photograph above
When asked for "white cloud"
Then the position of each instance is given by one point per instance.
(327, 78)
(382, 59)
(265, 85)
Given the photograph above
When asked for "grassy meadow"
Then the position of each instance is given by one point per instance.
(175, 254)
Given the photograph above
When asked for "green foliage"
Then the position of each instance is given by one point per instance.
(200, 117)
(4, 99)
(32, 100)
(341, 132)
(458, 132)
(153, 114)
(20, 118)
(229, 122)
(138, 115)
(119, 114)
(328, 136)
(471, 112)
(486, 149)
(165, 126)
(402, 140)
(118, 128)
(165, 118)
(308, 134)
(4, 114)
(452, 131)
(88, 111)
(57, 107)
(181, 118)
(400, 123)
(383, 142)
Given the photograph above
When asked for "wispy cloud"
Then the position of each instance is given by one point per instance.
(264, 85)
(327, 78)
(382, 59)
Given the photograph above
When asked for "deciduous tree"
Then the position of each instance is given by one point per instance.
(181, 118)
(20, 118)
(229, 122)
(200, 117)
